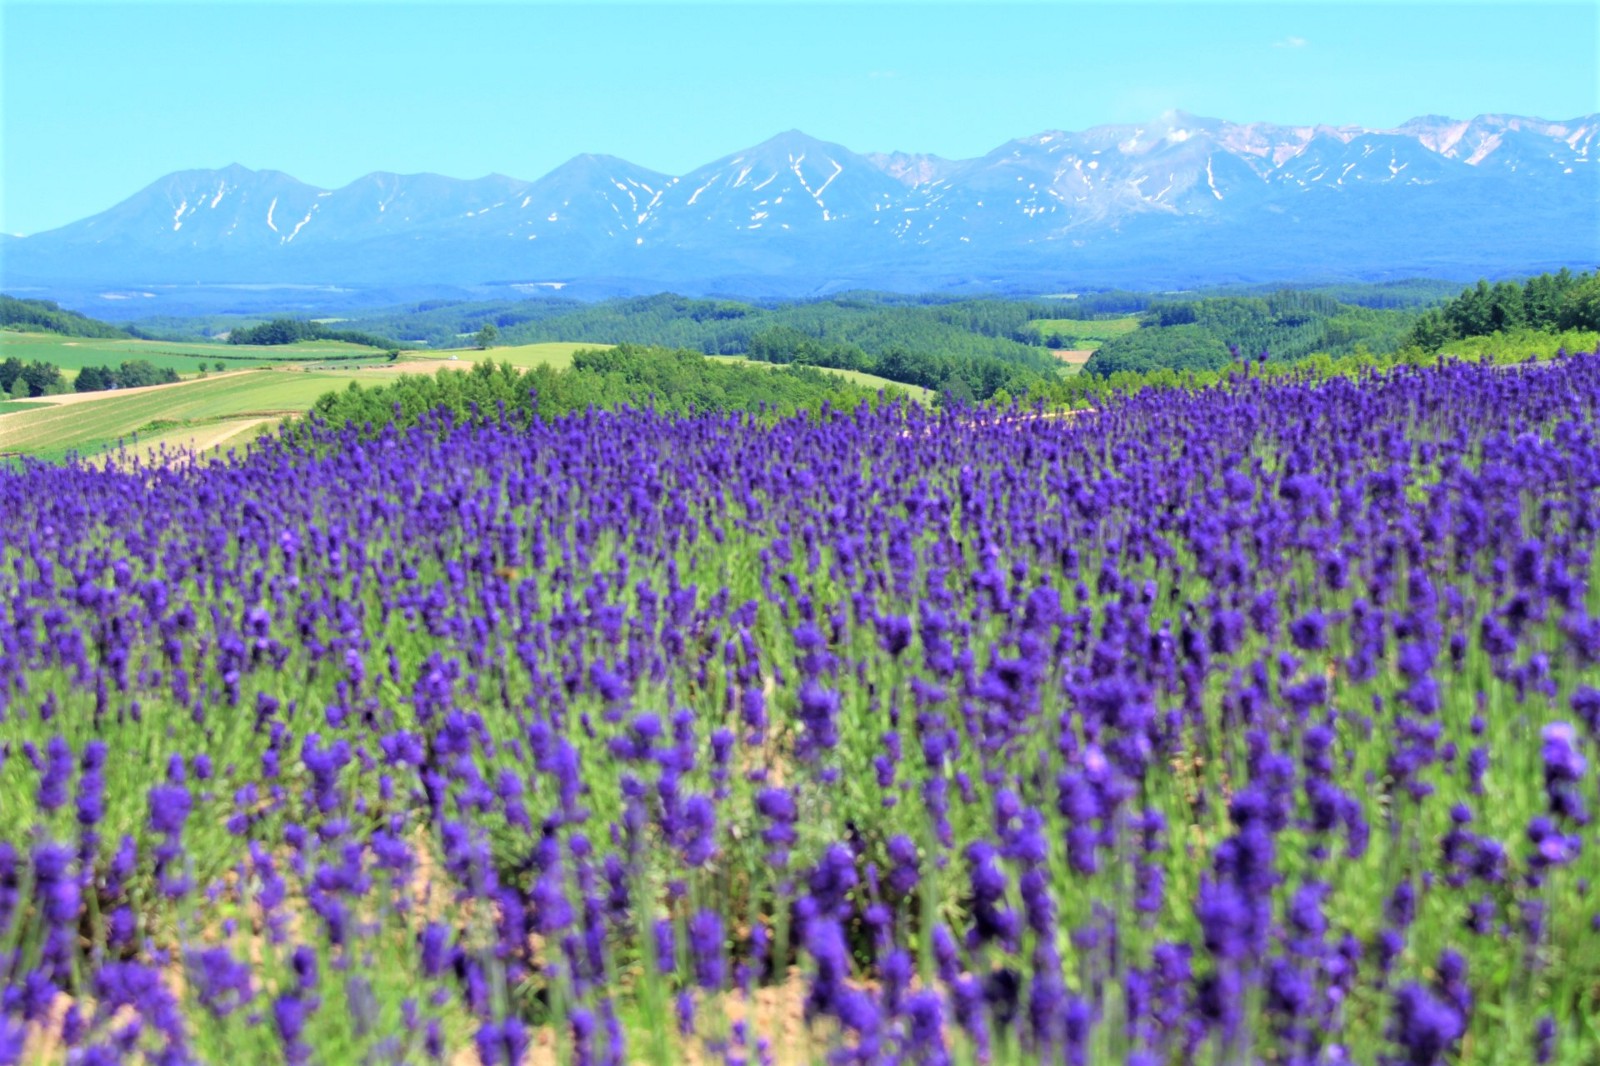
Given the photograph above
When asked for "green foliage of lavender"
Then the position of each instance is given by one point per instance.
(1242, 724)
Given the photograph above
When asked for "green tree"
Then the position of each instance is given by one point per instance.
(139, 373)
(1431, 331)
(1580, 308)
(220, 365)
(1472, 312)
(1507, 308)
(1542, 301)
(488, 335)
(42, 378)
(93, 379)
(955, 390)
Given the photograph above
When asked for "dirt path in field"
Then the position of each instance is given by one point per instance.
(71, 398)
(208, 436)
(200, 443)
(417, 366)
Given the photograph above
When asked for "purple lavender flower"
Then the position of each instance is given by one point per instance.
(705, 944)
(1425, 1027)
(57, 775)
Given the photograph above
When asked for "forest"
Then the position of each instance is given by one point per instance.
(22, 381)
(46, 316)
(293, 330)
(720, 327)
(671, 381)
(1289, 325)
(974, 349)
(130, 374)
(967, 349)
(1546, 303)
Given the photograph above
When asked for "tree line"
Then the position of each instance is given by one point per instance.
(47, 316)
(869, 321)
(282, 331)
(1201, 334)
(132, 374)
(22, 381)
(670, 380)
(1546, 304)
(968, 378)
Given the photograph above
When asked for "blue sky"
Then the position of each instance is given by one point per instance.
(97, 100)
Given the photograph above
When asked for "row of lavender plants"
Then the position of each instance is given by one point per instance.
(1238, 725)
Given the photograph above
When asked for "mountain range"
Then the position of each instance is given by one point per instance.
(1177, 201)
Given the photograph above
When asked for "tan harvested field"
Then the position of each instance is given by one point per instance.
(200, 442)
(1072, 356)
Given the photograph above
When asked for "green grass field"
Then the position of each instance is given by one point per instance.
(98, 421)
(228, 410)
(1088, 332)
(74, 353)
(556, 354)
(859, 377)
(225, 410)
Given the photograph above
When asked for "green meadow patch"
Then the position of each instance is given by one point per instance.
(858, 377)
(74, 353)
(100, 420)
(1081, 332)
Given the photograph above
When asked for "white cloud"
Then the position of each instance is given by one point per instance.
(1290, 42)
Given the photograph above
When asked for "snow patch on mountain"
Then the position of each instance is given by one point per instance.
(297, 226)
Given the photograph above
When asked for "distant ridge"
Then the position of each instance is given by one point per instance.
(1180, 200)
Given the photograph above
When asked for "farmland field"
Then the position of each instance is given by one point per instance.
(554, 354)
(1087, 332)
(224, 409)
(871, 381)
(94, 420)
(75, 353)
(201, 439)
(1240, 725)
(1072, 361)
(13, 406)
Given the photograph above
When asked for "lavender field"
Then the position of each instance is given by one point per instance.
(1253, 724)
